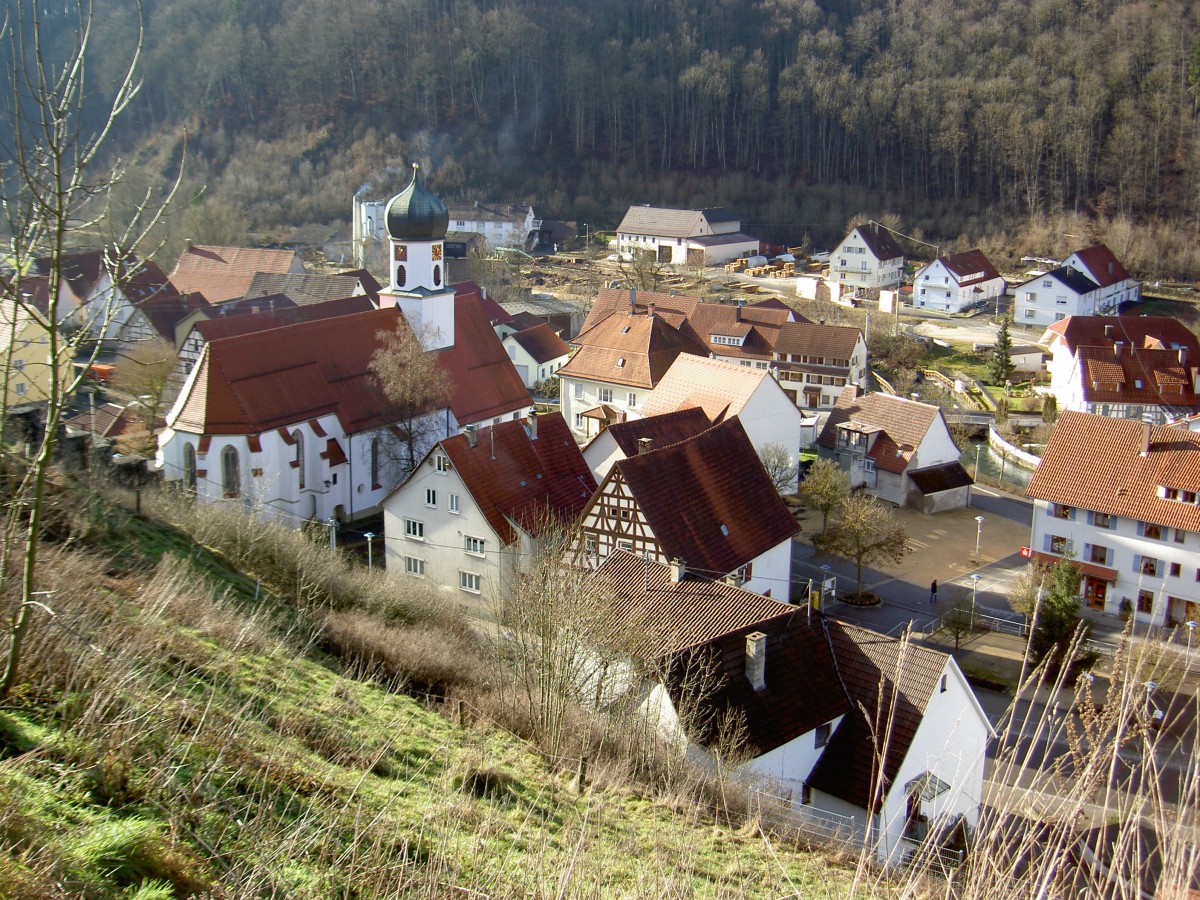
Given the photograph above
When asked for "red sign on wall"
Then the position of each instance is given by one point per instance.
(1026, 552)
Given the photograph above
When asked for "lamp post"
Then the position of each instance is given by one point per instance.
(1187, 659)
(974, 590)
(978, 535)
(370, 561)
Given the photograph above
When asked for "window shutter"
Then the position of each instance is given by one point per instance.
(1141, 529)
(1091, 519)
(1108, 556)
(1137, 563)
(1046, 543)
(1087, 552)
(1072, 514)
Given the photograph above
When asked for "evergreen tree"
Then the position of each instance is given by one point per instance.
(1001, 366)
(1058, 613)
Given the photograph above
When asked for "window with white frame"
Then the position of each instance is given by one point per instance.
(473, 545)
(414, 529)
(441, 463)
(632, 399)
(606, 395)
(577, 390)
(414, 566)
(469, 582)
(452, 503)
(431, 498)
(821, 734)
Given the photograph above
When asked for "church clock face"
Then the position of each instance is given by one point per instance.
(437, 252)
(401, 253)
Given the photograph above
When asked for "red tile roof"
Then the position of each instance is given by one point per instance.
(486, 383)
(541, 342)
(890, 682)
(1117, 479)
(514, 478)
(307, 288)
(662, 430)
(805, 338)
(902, 424)
(246, 322)
(1101, 265)
(629, 350)
(970, 263)
(107, 420)
(1133, 331)
(225, 273)
(708, 500)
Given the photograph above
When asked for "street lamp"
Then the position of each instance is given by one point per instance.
(370, 562)
(978, 535)
(1187, 659)
(974, 589)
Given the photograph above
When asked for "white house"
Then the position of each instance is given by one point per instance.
(705, 501)
(1128, 518)
(1116, 285)
(957, 282)
(694, 237)
(724, 389)
(814, 362)
(1129, 367)
(896, 449)
(866, 735)
(1055, 295)
(868, 258)
(472, 514)
(633, 436)
(513, 225)
(538, 353)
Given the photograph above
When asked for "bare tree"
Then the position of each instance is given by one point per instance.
(56, 125)
(824, 488)
(143, 372)
(866, 532)
(780, 466)
(414, 381)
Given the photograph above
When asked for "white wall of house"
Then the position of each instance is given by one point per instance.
(577, 395)
(1157, 568)
(530, 370)
(718, 254)
(1045, 300)
(771, 572)
(434, 529)
(600, 454)
(790, 764)
(1108, 298)
(820, 389)
(936, 287)
(853, 265)
(950, 743)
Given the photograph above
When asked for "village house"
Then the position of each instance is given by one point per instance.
(957, 282)
(723, 390)
(813, 363)
(226, 273)
(25, 345)
(158, 318)
(308, 288)
(624, 439)
(537, 353)
(474, 514)
(706, 501)
(617, 362)
(1055, 295)
(294, 418)
(1128, 519)
(896, 449)
(868, 259)
(693, 237)
(1116, 285)
(863, 736)
(1127, 367)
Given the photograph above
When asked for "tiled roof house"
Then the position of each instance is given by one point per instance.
(472, 515)
(814, 362)
(706, 501)
(537, 352)
(705, 237)
(1129, 517)
(896, 449)
(957, 282)
(817, 700)
(308, 288)
(1129, 367)
(635, 435)
(867, 259)
(226, 273)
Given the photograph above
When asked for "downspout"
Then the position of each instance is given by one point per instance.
(350, 461)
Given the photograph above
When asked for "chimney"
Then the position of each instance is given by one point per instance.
(650, 309)
(644, 445)
(1145, 450)
(533, 417)
(470, 433)
(737, 310)
(821, 321)
(1108, 331)
(1118, 347)
(1183, 356)
(632, 300)
(678, 570)
(756, 660)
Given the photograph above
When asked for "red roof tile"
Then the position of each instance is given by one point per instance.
(708, 499)
(662, 430)
(807, 339)
(902, 425)
(1101, 265)
(224, 326)
(718, 387)
(1117, 478)
(541, 342)
(970, 263)
(225, 273)
(630, 350)
(514, 478)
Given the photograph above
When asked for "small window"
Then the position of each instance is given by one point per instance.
(1150, 530)
(414, 530)
(821, 735)
(625, 545)
(19, 364)
(621, 362)
(452, 503)
(431, 498)
(943, 687)
(473, 545)
(1145, 601)
(442, 463)
(589, 547)
(577, 390)
(632, 399)
(1176, 570)
(414, 566)
(1061, 511)
(606, 395)
(1180, 535)
(469, 582)
(231, 479)
(1102, 520)
(805, 794)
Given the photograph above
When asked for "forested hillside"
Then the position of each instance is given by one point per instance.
(932, 109)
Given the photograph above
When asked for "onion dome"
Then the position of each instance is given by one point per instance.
(416, 215)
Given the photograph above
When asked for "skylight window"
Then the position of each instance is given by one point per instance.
(625, 330)
(725, 530)
(621, 363)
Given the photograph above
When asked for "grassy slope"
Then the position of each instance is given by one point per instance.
(206, 751)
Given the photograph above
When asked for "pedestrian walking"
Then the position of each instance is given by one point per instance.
(933, 593)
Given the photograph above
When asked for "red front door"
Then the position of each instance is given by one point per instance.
(1094, 591)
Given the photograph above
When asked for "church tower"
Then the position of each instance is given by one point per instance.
(416, 224)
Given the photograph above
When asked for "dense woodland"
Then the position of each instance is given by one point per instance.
(957, 117)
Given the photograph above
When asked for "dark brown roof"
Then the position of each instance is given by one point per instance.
(879, 241)
(662, 430)
(805, 338)
(139, 280)
(225, 273)
(520, 321)
(663, 222)
(890, 682)
(108, 420)
(165, 311)
(936, 479)
(631, 350)
(308, 288)
(541, 342)
(708, 500)
(1117, 479)
(514, 478)
(247, 321)
(902, 424)
(970, 263)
